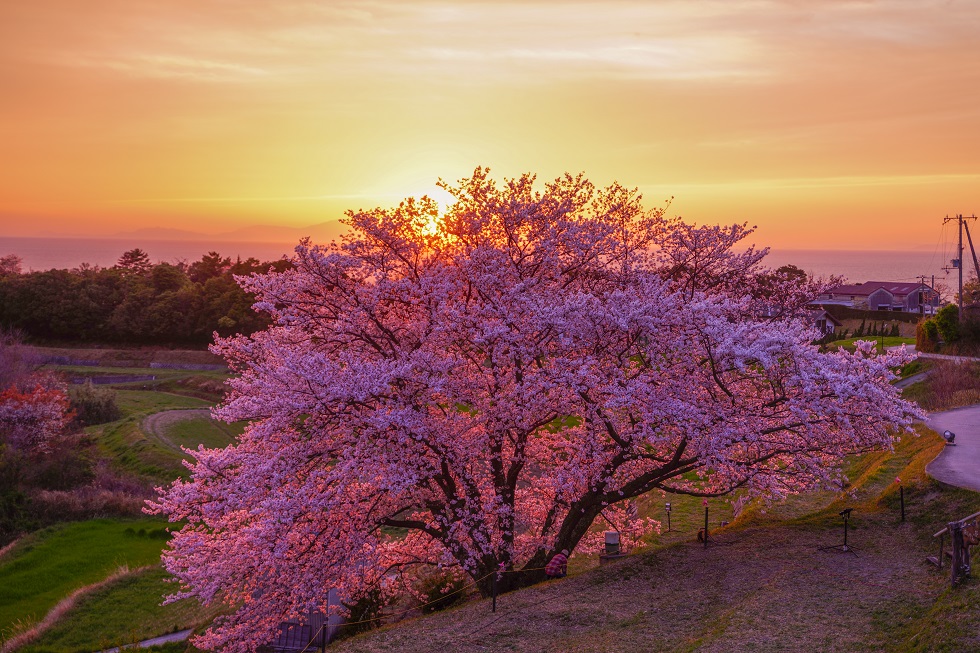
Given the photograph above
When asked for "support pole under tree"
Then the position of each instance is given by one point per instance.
(493, 591)
(901, 498)
(706, 523)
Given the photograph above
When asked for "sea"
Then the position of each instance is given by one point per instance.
(66, 253)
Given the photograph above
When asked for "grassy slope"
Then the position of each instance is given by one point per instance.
(134, 451)
(48, 565)
(764, 587)
(124, 612)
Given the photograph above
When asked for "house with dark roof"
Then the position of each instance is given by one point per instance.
(824, 321)
(912, 297)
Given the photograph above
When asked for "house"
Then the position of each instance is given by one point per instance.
(911, 297)
(824, 322)
(820, 319)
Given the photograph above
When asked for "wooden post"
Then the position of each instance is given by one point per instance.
(965, 568)
(956, 536)
(493, 591)
(901, 496)
(706, 524)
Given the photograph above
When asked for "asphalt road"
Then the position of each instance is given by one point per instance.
(156, 641)
(958, 464)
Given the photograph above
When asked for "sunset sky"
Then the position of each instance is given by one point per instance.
(849, 125)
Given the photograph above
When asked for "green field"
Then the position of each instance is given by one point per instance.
(50, 564)
(157, 456)
(886, 341)
(140, 403)
(202, 430)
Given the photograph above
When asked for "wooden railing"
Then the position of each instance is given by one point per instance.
(963, 533)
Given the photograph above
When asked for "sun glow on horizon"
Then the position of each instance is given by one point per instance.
(847, 125)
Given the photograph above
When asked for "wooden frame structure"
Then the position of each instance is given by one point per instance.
(963, 533)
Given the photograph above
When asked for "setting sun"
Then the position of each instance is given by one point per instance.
(845, 125)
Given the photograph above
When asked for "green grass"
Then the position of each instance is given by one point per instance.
(141, 454)
(90, 370)
(210, 433)
(52, 563)
(889, 341)
(127, 610)
(134, 452)
(139, 403)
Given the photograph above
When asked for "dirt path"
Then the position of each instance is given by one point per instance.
(958, 464)
(158, 424)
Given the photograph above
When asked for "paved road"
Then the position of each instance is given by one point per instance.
(156, 641)
(959, 464)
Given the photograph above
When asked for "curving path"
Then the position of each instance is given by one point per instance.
(959, 464)
(157, 424)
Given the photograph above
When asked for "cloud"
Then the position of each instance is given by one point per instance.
(167, 66)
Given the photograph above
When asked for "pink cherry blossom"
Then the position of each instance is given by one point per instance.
(473, 396)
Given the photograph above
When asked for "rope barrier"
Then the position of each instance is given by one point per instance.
(418, 607)
(310, 643)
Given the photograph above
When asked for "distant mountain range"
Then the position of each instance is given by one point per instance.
(320, 233)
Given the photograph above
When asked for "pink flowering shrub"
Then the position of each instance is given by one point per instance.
(470, 390)
(32, 419)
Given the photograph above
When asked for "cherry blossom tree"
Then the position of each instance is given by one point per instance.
(473, 389)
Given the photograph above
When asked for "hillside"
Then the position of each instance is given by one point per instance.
(763, 586)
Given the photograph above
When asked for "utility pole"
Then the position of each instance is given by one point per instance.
(922, 294)
(958, 261)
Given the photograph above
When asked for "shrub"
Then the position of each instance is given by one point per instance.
(952, 384)
(926, 335)
(440, 590)
(86, 503)
(94, 405)
(363, 615)
(948, 323)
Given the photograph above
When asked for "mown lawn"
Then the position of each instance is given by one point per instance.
(202, 430)
(50, 564)
(886, 341)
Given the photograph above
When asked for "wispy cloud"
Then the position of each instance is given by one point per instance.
(167, 66)
(798, 183)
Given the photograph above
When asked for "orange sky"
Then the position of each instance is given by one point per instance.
(850, 125)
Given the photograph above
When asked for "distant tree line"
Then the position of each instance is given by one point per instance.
(135, 301)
